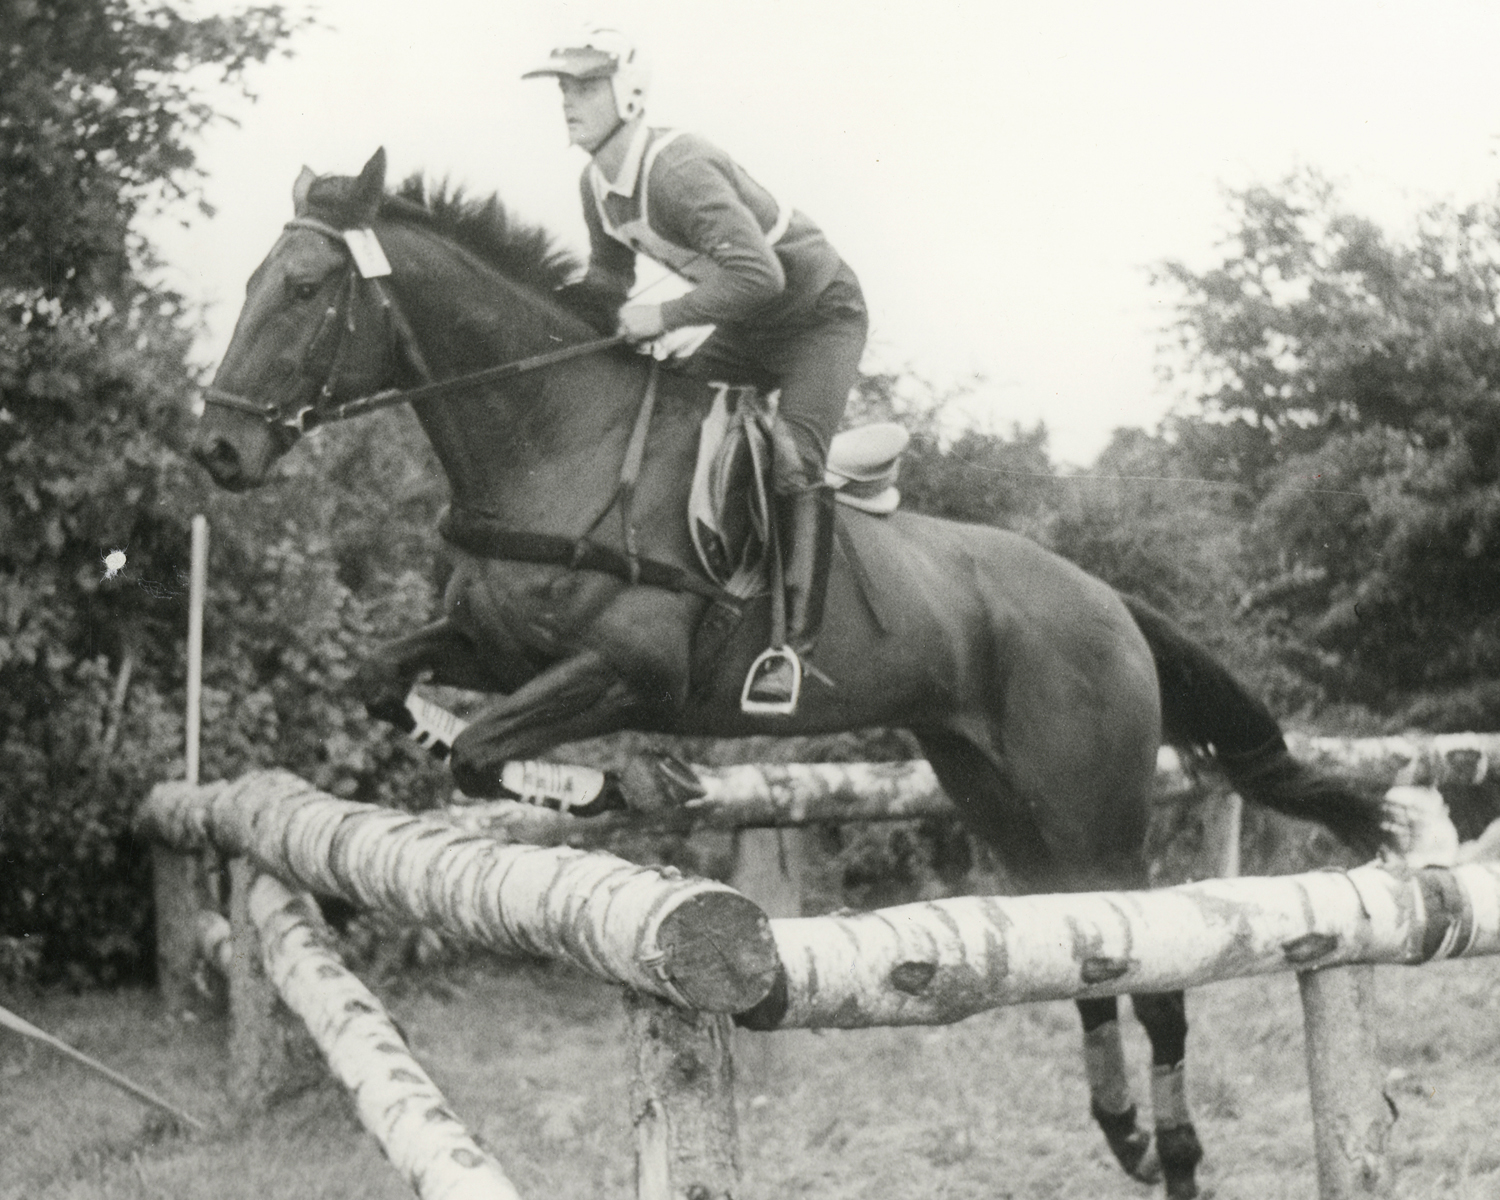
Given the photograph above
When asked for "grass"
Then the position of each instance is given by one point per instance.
(534, 1059)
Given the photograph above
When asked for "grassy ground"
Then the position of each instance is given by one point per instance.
(533, 1059)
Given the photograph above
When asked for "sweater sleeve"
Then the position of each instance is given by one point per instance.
(696, 205)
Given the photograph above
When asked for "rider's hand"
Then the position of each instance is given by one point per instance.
(640, 322)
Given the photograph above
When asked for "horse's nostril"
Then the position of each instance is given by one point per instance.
(218, 455)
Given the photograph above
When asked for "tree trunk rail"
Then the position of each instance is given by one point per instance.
(691, 951)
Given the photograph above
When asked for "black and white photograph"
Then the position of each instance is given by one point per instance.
(719, 601)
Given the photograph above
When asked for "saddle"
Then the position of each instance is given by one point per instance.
(731, 504)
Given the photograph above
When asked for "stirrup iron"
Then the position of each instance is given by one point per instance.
(765, 659)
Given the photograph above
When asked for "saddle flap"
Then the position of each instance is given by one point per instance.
(728, 510)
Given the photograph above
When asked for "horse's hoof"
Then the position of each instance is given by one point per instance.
(1131, 1144)
(475, 780)
(1180, 1152)
(393, 712)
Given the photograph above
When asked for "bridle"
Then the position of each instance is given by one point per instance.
(327, 350)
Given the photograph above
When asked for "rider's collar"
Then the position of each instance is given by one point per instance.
(630, 170)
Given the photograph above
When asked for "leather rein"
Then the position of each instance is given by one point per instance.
(480, 533)
(339, 322)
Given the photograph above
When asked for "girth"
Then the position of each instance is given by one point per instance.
(487, 536)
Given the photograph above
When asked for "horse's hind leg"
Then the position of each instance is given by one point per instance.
(1110, 1100)
(1164, 1016)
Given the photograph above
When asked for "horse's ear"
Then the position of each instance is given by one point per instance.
(300, 189)
(369, 190)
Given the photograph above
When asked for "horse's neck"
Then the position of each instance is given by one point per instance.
(544, 450)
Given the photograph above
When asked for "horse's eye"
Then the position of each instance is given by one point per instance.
(304, 291)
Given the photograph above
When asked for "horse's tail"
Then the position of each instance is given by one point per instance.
(1206, 711)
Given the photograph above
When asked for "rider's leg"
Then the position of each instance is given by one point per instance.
(818, 367)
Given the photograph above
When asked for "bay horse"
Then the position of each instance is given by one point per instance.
(1039, 694)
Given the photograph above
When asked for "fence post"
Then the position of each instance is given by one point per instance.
(183, 885)
(681, 1102)
(270, 1053)
(1352, 1117)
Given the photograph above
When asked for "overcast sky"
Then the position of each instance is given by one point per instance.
(1001, 176)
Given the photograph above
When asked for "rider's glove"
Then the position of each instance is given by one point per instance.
(640, 322)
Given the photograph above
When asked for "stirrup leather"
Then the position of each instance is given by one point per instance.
(768, 659)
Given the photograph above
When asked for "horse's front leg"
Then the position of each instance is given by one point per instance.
(386, 676)
(579, 697)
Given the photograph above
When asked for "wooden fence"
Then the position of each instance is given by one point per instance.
(691, 952)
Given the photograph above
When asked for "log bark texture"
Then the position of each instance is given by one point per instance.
(773, 795)
(271, 1055)
(1352, 1118)
(395, 1098)
(697, 943)
(932, 963)
(182, 888)
(681, 1102)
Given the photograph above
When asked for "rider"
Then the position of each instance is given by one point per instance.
(788, 312)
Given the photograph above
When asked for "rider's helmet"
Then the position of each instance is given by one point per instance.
(601, 52)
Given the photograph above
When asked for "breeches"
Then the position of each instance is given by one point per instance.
(813, 358)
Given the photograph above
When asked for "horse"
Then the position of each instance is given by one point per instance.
(1039, 693)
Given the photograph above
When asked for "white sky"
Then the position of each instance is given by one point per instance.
(1000, 175)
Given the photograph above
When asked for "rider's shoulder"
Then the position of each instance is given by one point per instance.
(677, 146)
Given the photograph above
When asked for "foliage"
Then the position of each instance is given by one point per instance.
(1346, 381)
(100, 103)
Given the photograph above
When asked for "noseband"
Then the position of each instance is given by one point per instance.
(367, 267)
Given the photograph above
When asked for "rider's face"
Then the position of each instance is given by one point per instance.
(589, 109)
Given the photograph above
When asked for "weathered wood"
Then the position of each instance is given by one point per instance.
(932, 963)
(1352, 1118)
(1436, 760)
(270, 1053)
(215, 941)
(395, 1098)
(182, 888)
(768, 867)
(681, 1102)
(692, 941)
(781, 795)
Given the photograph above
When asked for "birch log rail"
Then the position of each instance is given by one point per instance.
(780, 795)
(396, 1100)
(694, 942)
(944, 960)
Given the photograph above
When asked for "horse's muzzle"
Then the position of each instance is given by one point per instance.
(219, 456)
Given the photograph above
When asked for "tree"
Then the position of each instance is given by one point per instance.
(96, 120)
(1348, 380)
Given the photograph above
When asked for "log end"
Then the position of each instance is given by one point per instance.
(717, 952)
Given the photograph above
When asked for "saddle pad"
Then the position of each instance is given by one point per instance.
(728, 508)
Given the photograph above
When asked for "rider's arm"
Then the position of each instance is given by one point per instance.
(697, 202)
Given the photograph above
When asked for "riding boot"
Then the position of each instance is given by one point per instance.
(806, 526)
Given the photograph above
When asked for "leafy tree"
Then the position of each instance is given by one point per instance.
(96, 117)
(1348, 380)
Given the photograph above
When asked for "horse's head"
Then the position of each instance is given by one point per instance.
(315, 330)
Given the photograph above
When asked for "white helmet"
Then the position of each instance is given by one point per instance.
(600, 52)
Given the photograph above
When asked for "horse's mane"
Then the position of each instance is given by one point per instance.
(523, 253)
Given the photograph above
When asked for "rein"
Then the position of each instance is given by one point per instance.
(480, 533)
(368, 265)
